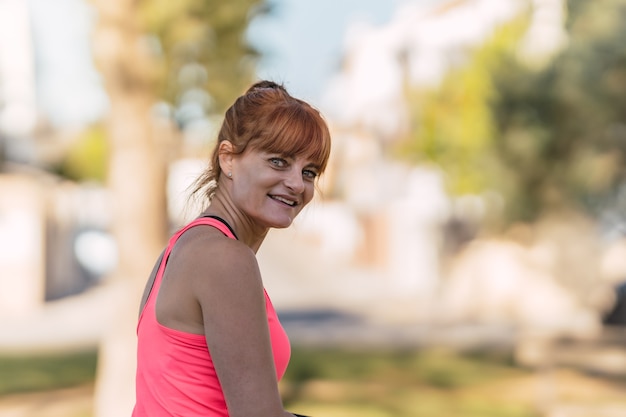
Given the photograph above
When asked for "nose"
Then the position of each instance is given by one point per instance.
(294, 180)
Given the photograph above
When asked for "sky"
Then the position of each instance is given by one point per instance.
(68, 86)
(301, 44)
(302, 41)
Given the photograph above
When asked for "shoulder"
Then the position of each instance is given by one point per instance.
(207, 256)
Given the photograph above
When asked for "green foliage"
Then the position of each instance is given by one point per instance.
(561, 130)
(201, 45)
(452, 124)
(86, 159)
(542, 138)
(38, 373)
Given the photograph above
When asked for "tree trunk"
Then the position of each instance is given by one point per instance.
(136, 182)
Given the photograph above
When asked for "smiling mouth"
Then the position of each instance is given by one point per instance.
(290, 203)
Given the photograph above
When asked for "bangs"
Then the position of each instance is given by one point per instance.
(295, 130)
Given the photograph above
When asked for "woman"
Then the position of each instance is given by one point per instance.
(209, 340)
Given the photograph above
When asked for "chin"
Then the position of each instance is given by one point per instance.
(282, 223)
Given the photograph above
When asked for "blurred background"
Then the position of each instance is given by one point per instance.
(465, 254)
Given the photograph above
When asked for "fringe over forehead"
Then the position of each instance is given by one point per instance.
(267, 118)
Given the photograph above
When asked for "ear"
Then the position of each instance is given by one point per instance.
(225, 154)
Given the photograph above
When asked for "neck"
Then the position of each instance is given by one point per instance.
(245, 229)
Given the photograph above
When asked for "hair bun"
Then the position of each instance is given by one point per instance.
(266, 85)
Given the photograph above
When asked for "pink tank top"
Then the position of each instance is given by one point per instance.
(175, 372)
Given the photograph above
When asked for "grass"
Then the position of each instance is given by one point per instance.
(354, 383)
(21, 374)
(340, 383)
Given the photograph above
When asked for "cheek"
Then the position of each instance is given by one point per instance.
(309, 193)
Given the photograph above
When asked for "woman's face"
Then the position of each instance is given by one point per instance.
(272, 188)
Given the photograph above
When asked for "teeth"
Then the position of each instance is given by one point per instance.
(284, 200)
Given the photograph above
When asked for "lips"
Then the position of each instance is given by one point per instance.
(284, 200)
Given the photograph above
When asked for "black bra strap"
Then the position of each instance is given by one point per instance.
(219, 219)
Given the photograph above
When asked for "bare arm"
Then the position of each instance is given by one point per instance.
(230, 293)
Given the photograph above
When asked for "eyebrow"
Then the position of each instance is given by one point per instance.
(314, 166)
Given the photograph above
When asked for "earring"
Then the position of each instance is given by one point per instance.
(230, 175)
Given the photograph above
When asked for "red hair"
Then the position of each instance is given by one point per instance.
(268, 118)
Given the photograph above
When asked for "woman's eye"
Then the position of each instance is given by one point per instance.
(309, 174)
(278, 162)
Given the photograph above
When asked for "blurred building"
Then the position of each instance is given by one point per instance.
(45, 222)
(21, 220)
(366, 102)
(402, 211)
(18, 98)
(418, 46)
